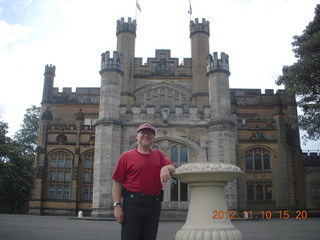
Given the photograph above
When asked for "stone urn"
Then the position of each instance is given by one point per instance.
(208, 216)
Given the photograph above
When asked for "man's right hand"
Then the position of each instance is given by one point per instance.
(118, 213)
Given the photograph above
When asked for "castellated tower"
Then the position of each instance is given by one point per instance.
(221, 127)
(45, 121)
(108, 133)
(49, 75)
(126, 35)
(199, 35)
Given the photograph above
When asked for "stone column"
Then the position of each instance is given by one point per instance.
(79, 120)
(221, 127)
(108, 134)
(199, 35)
(283, 172)
(126, 36)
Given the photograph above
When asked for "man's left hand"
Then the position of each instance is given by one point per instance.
(164, 174)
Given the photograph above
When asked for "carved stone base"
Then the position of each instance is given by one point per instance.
(208, 216)
(209, 234)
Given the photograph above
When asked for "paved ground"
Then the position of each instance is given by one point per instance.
(27, 227)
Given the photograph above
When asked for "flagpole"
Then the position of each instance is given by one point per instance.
(190, 10)
(137, 8)
(136, 12)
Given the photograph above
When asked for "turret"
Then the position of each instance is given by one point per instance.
(111, 73)
(219, 92)
(49, 75)
(108, 133)
(199, 35)
(222, 137)
(126, 35)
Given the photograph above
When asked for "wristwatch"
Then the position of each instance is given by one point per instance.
(117, 204)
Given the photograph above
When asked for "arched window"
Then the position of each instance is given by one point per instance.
(67, 177)
(174, 154)
(178, 190)
(59, 178)
(250, 192)
(179, 154)
(266, 161)
(86, 176)
(257, 162)
(259, 190)
(249, 162)
(257, 159)
(183, 154)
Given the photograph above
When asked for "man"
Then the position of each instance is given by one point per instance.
(139, 177)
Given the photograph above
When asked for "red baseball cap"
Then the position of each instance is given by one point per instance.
(146, 126)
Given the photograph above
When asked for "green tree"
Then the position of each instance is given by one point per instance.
(4, 142)
(15, 171)
(303, 77)
(5, 145)
(27, 136)
(17, 158)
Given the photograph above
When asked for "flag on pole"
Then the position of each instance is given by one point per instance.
(138, 5)
(190, 8)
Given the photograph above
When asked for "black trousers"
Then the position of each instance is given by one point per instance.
(141, 218)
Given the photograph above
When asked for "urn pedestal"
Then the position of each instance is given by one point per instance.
(208, 216)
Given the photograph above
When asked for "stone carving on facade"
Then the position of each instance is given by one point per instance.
(246, 101)
(163, 96)
(257, 136)
(163, 68)
(195, 140)
(202, 167)
(165, 145)
(61, 138)
(89, 99)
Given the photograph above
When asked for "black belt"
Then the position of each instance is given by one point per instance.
(147, 197)
(142, 196)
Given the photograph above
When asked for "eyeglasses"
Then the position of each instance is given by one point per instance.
(149, 133)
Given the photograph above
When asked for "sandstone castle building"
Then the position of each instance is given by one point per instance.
(82, 133)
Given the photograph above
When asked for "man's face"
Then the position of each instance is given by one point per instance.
(145, 137)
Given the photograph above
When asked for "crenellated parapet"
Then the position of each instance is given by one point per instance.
(163, 65)
(130, 26)
(196, 26)
(115, 63)
(215, 64)
(50, 69)
(165, 115)
(81, 96)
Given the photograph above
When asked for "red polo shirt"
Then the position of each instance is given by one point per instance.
(141, 172)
